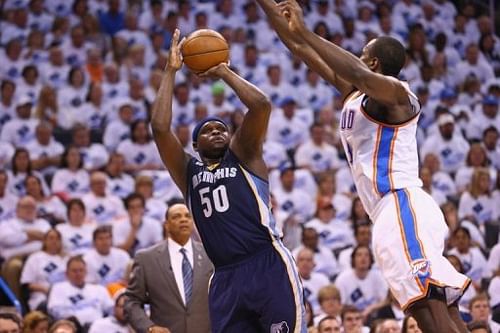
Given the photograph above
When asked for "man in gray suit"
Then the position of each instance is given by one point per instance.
(173, 278)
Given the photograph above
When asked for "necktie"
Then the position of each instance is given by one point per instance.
(187, 276)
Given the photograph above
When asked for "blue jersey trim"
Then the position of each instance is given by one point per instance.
(409, 229)
(383, 160)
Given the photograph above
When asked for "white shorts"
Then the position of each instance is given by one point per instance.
(408, 242)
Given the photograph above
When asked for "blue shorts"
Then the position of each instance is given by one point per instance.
(261, 294)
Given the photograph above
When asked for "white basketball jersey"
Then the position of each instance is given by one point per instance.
(383, 158)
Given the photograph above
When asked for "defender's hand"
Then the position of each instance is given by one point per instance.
(175, 56)
(291, 10)
(216, 72)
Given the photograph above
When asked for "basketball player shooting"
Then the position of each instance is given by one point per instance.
(255, 287)
(378, 131)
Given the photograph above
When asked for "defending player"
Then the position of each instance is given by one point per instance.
(378, 131)
(255, 287)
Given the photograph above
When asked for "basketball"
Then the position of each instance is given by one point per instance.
(204, 49)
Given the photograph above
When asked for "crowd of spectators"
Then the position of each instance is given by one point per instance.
(82, 187)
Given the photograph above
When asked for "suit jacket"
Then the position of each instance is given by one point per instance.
(152, 281)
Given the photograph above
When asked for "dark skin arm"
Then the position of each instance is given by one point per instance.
(171, 151)
(387, 94)
(300, 48)
(247, 141)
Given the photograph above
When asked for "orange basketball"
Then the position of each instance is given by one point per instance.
(204, 49)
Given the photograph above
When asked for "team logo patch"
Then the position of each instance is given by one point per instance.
(421, 268)
(280, 328)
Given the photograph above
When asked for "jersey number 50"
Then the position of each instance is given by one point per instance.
(218, 198)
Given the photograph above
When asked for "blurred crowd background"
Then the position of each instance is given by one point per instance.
(81, 178)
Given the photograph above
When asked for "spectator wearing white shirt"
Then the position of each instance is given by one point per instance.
(102, 207)
(78, 230)
(29, 85)
(138, 99)
(8, 201)
(21, 168)
(473, 64)
(44, 268)
(449, 145)
(354, 40)
(139, 151)
(49, 207)
(45, 151)
(135, 231)
(315, 154)
(75, 47)
(440, 179)
(55, 72)
(38, 18)
(407, 11)
(20, 131)
(363, 286)
(7, 101)
(311, 281)
(324, 13)
(490, 144)
(119, 130)
(323, 256)
(290, 199)
(154, 208)
(12, 62)
(476, 158)
(494, 262)
(117, 323)
(484, 117)
(183, 105)
(20, 236)
(71, 180)
(275, 86)
(93, 111)
(113, 86)
(333, 233)
(473, 261)
(71, 97)
(74, 297)
(327, 189)
(120, 183)
(464, 303)
(219, 105)
(94, 155)
(316, 94)
(275, 155)
(426, 177)
(477, 204)
(105, 263)
(288, 128)
(252, 68)
(362, 237)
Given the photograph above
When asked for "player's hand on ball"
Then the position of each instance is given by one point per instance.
(291, 10)
(216, 71)
(175, 57)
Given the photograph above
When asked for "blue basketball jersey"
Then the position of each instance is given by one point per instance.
(231, 209)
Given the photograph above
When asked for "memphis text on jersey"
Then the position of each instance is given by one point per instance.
(212, 177)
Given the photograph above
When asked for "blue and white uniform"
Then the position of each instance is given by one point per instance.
(409, 228)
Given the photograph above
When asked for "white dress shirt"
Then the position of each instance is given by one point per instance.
(176, 262)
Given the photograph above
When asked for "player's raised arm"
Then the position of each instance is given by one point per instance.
(384, 89)
(300, 48)
(247, 141)
(170, 149)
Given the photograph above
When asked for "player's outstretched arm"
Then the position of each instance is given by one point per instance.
(300, 48)
(247, 141)
(170, 149)
(384, 89)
